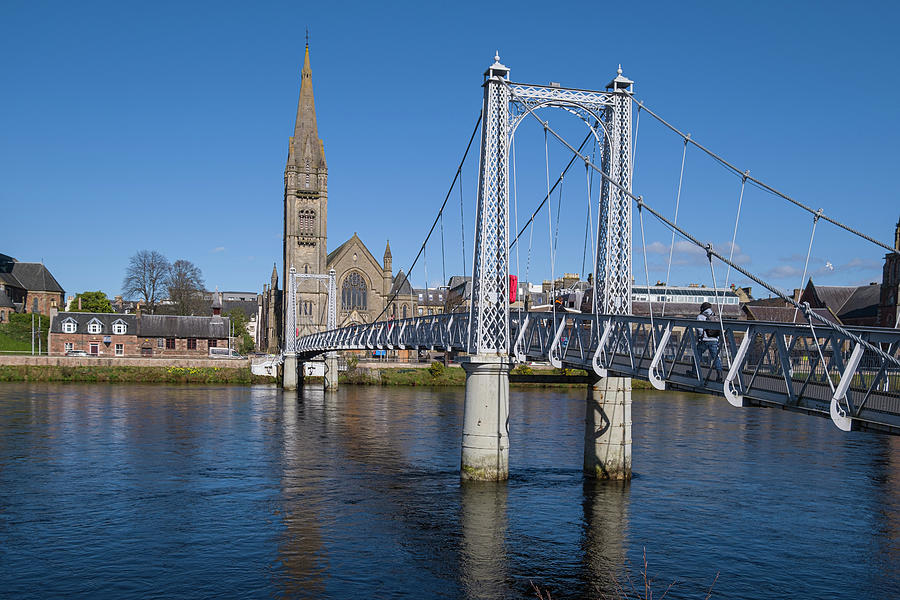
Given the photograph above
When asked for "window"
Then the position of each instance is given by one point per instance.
(306, 222)
(212, 343)
(120, 349)
(405, 312)
(94, 327)
(353, 292)
(159, 343)
(119, 327)
(69, 326)
(192, 343)
(170, 343)
(69, 346)
(420, 311)
(95, 349)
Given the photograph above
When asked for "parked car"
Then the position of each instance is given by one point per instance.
(77, 353)
(224, 353)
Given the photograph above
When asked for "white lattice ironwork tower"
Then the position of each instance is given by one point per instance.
(489, 309)
(613, 267)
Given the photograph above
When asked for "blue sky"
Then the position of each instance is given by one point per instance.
(165, 126)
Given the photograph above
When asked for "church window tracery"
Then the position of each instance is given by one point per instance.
(353, 292)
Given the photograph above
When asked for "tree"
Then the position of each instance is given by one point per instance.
(145, 277)
(93, 302)
(244, 341)
(184, 282)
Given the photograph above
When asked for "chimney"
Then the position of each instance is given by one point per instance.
(79, 303)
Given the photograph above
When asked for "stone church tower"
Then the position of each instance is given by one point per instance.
(306, 211)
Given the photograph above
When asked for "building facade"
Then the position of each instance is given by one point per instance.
(115, 335)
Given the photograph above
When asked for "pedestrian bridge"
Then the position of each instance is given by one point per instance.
(849, 376)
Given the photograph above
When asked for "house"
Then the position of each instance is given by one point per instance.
(28, 286)
(852, 305)
(133, 335)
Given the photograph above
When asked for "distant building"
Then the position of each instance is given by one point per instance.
(27, 285)
(134, 335)
(852, 305)
(888, 315)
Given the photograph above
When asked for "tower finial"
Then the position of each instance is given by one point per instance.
(307, 37)
(497, 56)
(618, 72)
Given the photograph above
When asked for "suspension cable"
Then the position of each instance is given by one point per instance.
(647, 273)
(512, 144)
(443, 259)
(549, 222)
(736, 219)
(462, 221)
(709, 250)
(760, 183)
(720, 304)
(440, 212)
(806, 264)
(552, 188)
(672, 245)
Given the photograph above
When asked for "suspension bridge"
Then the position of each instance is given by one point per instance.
(850, 375)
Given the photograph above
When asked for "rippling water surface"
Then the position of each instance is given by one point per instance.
(198, 492)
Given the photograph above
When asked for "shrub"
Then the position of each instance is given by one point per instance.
(522, 369)
(436, 369)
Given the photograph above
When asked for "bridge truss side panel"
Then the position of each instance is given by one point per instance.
(613, 267)
(489, 316)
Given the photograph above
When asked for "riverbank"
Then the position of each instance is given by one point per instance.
(439, 375)
(130, 374)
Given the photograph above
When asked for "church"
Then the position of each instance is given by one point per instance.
(364, 285)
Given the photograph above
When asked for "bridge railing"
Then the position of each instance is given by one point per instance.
(812, 369)
(794, 366)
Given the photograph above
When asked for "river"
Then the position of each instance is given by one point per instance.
(198, 492)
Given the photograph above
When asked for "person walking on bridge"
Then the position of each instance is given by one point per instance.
(709, 340)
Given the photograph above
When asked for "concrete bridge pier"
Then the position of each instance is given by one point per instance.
(485, 439)
(607, 428)
(290, 372)
(331, 372)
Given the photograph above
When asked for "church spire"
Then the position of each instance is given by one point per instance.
(274, 276)
(305, 144)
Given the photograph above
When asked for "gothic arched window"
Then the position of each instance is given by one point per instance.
(353, 292)
(404, 311)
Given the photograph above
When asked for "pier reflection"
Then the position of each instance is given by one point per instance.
(483, 521)
(603, 544)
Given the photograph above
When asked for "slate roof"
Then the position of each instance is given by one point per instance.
(337, 250)
(82, 319)
(5, 302)
(28, 276)
(863, 303)
(183, 327)
(401, 286)
(784, 314)
(833, 296)
(246, 306)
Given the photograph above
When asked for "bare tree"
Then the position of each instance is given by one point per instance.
(145, 277)
(185, 285)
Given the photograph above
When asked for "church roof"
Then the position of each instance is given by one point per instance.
(5, 302)
(28, 276)
(337, 250)
(305, 143)
(401, 285)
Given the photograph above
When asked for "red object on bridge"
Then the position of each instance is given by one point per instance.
(513, 288)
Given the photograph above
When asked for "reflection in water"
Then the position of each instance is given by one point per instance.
(198, 492)
(300, 548)
(483, 523)
(603, 546)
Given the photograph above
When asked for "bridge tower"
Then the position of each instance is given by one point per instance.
(607, 433)
(485, 443)
(485, 439)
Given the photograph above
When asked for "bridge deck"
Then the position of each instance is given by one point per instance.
(796, 367)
